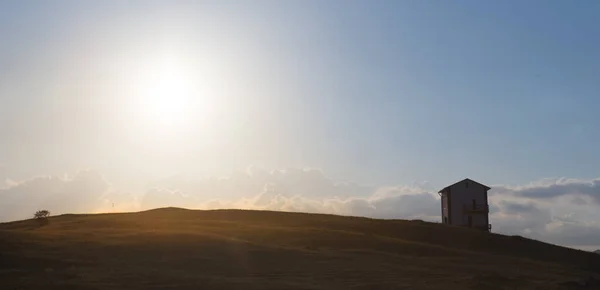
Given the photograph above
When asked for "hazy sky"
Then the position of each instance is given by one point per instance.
(377, 93)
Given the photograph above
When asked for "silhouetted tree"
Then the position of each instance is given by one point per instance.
(42, 216)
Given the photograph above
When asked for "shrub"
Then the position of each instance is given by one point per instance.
(42, 216)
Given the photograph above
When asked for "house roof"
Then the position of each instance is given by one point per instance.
(466, 179)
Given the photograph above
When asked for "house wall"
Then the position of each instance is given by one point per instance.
(462, 195)
(444, 201)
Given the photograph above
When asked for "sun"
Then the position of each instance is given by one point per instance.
(166, 95)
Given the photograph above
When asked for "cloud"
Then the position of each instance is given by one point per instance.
(562, 211)
(511, 207)
(9, 182)
(306, 190)
(519, 217)
(84, 192)
(394, 202)
(156, 198)
(309, 183)
(552, 188)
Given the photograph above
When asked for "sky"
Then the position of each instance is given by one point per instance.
(349, 107)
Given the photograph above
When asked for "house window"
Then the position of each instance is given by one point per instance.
(467, 184)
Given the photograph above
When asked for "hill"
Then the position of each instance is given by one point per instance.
(234, 249)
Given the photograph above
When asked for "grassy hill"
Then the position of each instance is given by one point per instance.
(234, 249)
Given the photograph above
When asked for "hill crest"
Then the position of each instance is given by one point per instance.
(268, 239)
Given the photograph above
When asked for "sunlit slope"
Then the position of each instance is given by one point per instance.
(233, 249)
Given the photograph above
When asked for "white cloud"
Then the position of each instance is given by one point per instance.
(87, 191)
(9, 182)
(563, 211)
(555, 187)
(289, 182)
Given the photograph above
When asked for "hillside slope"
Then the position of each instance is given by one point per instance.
(234, 249)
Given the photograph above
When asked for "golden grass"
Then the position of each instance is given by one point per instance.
(234, 249)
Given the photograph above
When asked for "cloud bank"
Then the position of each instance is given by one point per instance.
(562, 211)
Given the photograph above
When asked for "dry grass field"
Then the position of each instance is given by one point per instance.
(233, 249)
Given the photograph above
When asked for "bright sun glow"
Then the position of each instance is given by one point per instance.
(169, 96)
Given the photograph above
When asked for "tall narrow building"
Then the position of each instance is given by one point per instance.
(465, 203)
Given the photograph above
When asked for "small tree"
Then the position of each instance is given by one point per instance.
(42, 216)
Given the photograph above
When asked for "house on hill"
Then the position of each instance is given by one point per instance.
(465, 203)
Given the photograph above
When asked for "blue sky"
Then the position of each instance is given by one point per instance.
(377, 93)
(384, 92)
